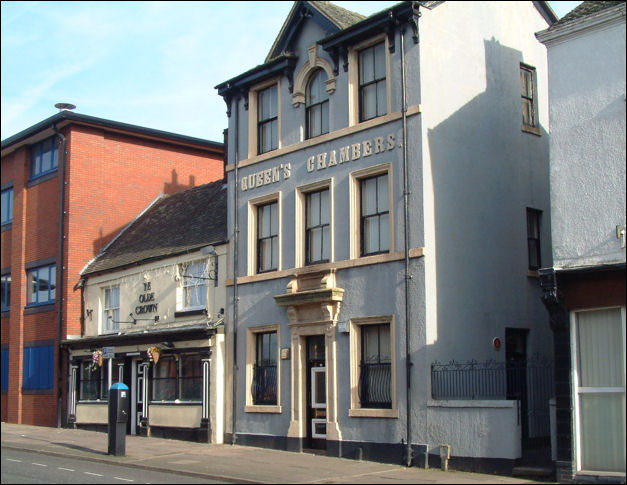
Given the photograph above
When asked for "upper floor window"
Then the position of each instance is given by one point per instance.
(7, 206)
(111, 309)
(44, 157)
(374, 215)
(533, 238)
(267, 237)
(42, 283)
(6, 292)
(194, 283)
(317, 227)
(372, 82)
(317, 105)
(528, 95)
(267, 119)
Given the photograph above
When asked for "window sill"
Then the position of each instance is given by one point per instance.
(41, 308)
(189, 313)
(42, 178)
(534, 130)
(373, 413)
(532, 273)
(175, 403)
(254, 408)
(7, 226)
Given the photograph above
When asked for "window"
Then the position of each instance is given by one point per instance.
(44, 157)
(41, 285)
(267, 237)
(528, 88)
(317, 105)
(194, 285)
(38, 368)
(264, 382)
(6, 292)
(93, 382)
(372, 82)
(374, 225)
(599, 388)
(7, 206)
(373, 367)
(111, 309)
(177, 378)
(533, 239)
(5, 370)
(317, 227)
(267, 120)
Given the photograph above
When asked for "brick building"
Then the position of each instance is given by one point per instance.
(105, 173)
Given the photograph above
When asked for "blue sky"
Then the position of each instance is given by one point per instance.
(153, 64)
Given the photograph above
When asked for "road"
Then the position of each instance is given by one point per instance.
(28, 467)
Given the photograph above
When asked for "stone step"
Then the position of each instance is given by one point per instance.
(537, 472)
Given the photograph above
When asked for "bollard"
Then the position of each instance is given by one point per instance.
(118, 417)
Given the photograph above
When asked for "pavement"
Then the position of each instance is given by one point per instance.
(227, 463)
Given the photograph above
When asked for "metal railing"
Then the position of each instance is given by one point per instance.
(264, 385)
(375, 388)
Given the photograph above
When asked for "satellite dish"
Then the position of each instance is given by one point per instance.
(64, 106)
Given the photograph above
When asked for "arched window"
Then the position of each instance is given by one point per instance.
(317, 105)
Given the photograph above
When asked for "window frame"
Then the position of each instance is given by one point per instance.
(115, 327)
(179, 378)
(184, 283)
(253, 219)
(356, 326)
(7, 207)
(356, 240)
(31, 271)
(300, 225)
(102, 392)
(252, 334)
(529, 97)
(38, 149)
(320, 226)
(253, 108)
(324, 102)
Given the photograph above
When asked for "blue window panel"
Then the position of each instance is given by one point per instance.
(38, 368)
(41, 285)
(5, 292)
(44, 157)
(5, 370)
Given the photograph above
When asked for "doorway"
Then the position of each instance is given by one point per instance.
(516, 370)
(316, 372)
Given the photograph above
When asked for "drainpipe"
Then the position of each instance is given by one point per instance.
(59, 289)
(235, 271)
(408, 363)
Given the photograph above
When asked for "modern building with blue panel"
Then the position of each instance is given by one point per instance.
(388, 197)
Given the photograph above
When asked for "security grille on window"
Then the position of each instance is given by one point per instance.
(111, 309)
(267, 119)
(374, 215)
(267, 237)
(44, 157)
(375, 367)
(42, 284)
(317, 230)
(533, 238)
(177, 378)
(317, 105)
(372, 82)
(527, 81)
(264, 384)
(194, 283)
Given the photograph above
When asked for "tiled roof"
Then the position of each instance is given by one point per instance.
(339, 16)
(174, 224)
(585, 9)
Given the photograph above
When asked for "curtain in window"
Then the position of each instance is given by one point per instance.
(194, 286)
(601, 389)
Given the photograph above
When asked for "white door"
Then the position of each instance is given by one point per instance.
(598, 344)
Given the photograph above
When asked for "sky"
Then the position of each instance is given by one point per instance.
(149, 63)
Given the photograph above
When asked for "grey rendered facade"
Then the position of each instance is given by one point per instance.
(448, 278)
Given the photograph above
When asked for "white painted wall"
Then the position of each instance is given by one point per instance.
(587, 92)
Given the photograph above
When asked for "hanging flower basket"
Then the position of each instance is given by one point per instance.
(154, 353)
(96, 359)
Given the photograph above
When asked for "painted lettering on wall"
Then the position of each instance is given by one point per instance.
(146, 298)
(321, 161)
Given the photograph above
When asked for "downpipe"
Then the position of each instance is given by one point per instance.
(235, 273)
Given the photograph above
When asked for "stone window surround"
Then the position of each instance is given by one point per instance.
(251, 349)
(253, 204)
(300, 219)
(252, 116)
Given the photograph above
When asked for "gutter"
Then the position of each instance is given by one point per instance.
(60, 269)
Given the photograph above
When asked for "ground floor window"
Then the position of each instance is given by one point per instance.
(598, 341)
(93, 382)
(177, 377)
